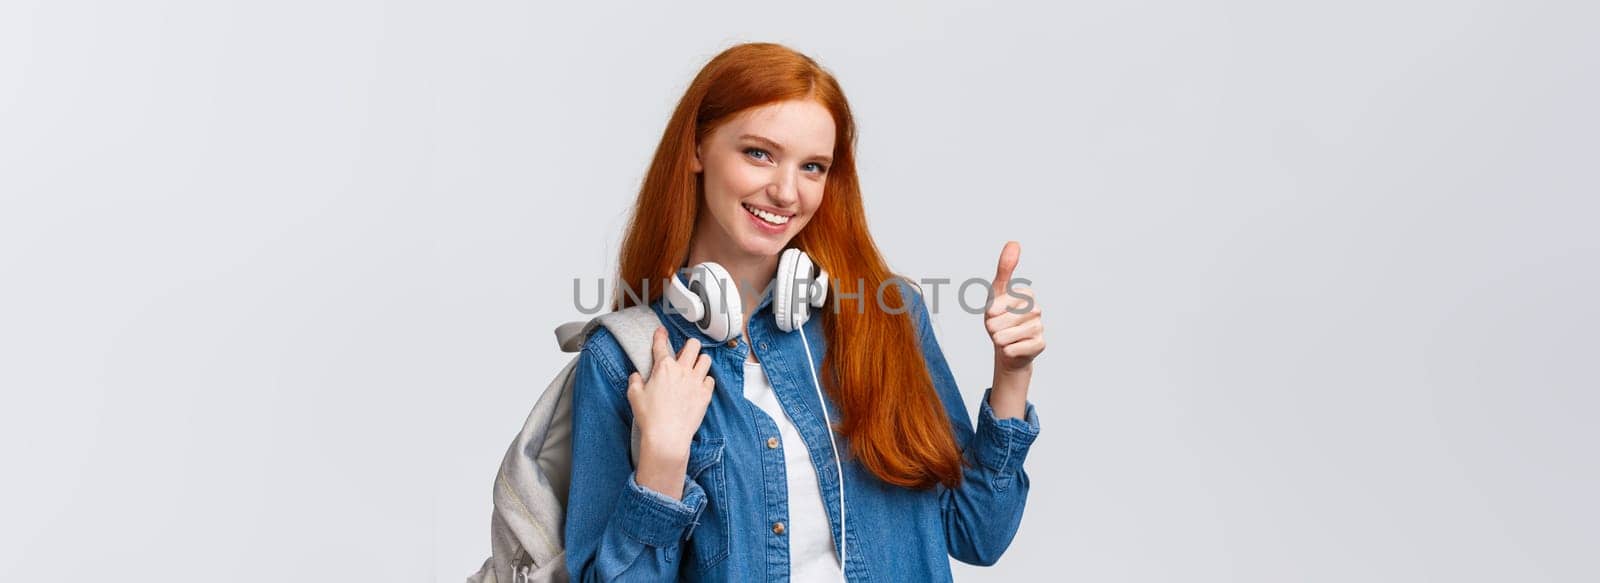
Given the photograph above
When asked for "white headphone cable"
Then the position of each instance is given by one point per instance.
(828, 426)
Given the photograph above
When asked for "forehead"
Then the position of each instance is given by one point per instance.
(803, 126)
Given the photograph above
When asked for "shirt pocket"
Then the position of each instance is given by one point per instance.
(710, 538)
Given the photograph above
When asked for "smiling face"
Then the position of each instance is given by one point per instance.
(763, 173)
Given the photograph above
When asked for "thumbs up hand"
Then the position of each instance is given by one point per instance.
(1013, 318)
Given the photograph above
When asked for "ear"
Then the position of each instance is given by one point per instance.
(694, 164)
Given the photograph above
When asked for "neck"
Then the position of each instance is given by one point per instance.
(751, 273)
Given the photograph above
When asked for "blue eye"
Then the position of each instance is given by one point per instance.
(820, 168)
(759, 150)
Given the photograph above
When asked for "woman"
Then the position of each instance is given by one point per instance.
(736, 476)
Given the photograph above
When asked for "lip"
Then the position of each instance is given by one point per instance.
(762, 225)
(768, 209)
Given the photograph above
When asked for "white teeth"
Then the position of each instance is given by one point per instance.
(766, 216)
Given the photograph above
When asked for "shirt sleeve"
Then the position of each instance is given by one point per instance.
(617, 530)
(980, 517)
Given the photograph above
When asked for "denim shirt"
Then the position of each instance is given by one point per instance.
(722, 529)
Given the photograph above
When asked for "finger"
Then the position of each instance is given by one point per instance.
(1008, 263)
(659, 349)
(1012, 301)
(1025, 349)
(635, 382)
(702, 365)
(1024, 331)
(709, 383)
(691, 350)
(1007, 320)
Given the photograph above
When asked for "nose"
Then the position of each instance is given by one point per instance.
(785, 188)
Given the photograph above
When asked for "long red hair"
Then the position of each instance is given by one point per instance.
(873, 368)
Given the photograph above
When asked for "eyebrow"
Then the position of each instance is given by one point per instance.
(779, 147)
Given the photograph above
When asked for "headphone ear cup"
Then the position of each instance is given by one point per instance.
(724, 317)
(686, 299)
(783, 304)
(820, 294)
(698, 288)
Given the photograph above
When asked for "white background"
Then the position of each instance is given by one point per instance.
(279, 278)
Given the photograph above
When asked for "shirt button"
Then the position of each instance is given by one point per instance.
(777, 528)
(734, 343)
(763, 347)
(772, 443)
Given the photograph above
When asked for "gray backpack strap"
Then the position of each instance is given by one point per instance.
(633, 327)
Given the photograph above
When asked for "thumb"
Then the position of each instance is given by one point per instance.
(659, 348)
(1008, 263)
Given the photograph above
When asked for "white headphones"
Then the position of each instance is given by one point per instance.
(712, 302)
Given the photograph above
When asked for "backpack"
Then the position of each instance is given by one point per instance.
(527, 528)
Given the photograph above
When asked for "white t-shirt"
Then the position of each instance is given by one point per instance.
(811, 551)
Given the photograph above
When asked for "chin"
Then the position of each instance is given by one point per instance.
(762, 246)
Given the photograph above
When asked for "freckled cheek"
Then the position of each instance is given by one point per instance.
(811, 198)
(740, 182)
